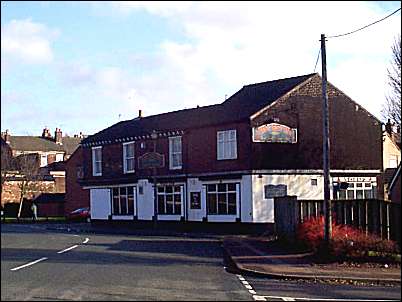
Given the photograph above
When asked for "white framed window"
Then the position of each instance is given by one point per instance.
(357, 190)
(59, 156)
(222, 199)
(226, 144)
(393, 161)
(175, 158)
(170, 199)
(123, 201)
(128, 157)
(43, 160)
(97, 161)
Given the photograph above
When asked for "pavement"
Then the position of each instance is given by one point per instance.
(263, 256)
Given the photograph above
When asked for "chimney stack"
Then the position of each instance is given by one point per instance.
(140, 113)
(6, 136)
(58, 136)
(46, 133)
(388, 127)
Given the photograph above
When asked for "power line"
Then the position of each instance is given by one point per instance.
(318, 56)
(364, 26)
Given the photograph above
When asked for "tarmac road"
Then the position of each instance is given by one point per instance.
(39, 264)
(112, 267)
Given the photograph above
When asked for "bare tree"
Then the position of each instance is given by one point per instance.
(392, 107)
(7, 165)
(28, 166)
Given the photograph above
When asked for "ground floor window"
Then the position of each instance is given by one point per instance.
(169, 199)
(123, 201)
(221, 199)
(356, 190)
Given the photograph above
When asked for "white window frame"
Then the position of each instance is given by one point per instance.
(224, 144)
(171, 153)
(172, 194)
(94, 149)
(125, 158)
(216, 192)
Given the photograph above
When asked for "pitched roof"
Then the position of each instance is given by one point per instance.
(37, 143)
(245, 102)
(70, 144)
(33, 143)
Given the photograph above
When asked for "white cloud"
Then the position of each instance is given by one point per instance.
(238, 43)
(27, 41)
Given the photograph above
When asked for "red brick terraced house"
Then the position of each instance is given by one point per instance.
(227, 162)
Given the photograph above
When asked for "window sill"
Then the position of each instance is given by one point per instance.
(129, 172)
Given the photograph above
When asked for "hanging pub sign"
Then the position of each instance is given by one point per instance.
(274, 133)
(151, 160)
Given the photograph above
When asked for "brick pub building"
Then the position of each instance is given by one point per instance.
(227, 162)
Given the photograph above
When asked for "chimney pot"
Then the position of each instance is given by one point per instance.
(140, 113)
(58, 136)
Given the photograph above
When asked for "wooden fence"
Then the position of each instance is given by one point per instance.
(370, 215)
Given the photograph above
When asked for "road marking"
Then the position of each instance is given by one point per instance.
(259, 298)
(67, 249)
(251, 291)
(28, 264)
(86, 240)
(322, 299)
(245, 282)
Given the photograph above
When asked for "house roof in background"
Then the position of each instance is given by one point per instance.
(37, 143)
(240, 106)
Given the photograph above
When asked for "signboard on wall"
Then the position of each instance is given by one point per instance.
(271, 191)
(195, 200)
(274, 133)
(151, 160)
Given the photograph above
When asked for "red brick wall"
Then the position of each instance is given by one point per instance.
(355, 136)
(11, 191)
(201, 149)
(199, 154)
(76, 197)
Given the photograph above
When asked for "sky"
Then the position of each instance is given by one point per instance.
(84, 66)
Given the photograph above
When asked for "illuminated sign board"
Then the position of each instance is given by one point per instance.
(274, 133)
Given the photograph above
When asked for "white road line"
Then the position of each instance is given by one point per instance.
(251, 291)
(28, 264)
(245, 282)
(259, 298)
(322, 299)
(86, 240)
(248, 286)
(67, 249)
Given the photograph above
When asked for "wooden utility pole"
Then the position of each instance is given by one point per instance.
(325, 145)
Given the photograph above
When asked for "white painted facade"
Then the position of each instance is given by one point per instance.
(253, 204)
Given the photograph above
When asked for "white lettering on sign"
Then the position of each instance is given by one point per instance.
(353, 179)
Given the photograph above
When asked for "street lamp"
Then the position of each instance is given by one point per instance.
(154, 136)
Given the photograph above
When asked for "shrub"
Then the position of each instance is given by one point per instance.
(346, 241)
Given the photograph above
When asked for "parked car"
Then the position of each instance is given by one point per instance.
(81, 214)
